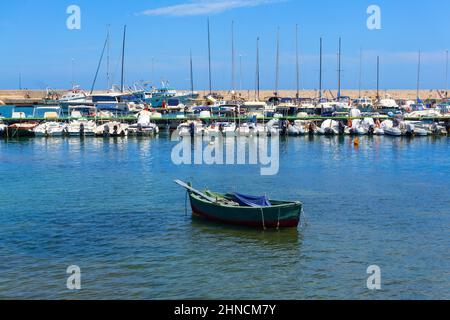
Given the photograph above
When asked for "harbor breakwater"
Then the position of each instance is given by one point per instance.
(18, 97)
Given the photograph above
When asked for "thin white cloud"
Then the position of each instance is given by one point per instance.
(205, 7)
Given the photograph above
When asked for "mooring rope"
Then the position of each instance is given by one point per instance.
(185, 204)
(263, 221)
(302, 214)
(278, 223)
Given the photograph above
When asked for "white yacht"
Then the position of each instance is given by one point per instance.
(74, 97)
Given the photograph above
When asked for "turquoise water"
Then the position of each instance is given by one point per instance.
(110, 207)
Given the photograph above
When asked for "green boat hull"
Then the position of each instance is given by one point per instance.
(281, 215)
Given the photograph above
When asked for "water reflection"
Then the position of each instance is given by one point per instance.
(288, 239)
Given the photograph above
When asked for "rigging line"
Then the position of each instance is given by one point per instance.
(99, 64)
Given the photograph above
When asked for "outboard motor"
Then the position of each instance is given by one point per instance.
(284, 127)
(371, 130)
(395, 122)
(116, 129)
(447, 126)
(81, 129)
(139, 127)
(341, 128)
(192, 129)
(106, 130)
(311, 128)
(221, 127)
(409, 129)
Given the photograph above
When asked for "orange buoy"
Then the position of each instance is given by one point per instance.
(356, 142)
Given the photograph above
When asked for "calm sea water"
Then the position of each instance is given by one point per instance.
(110, 207)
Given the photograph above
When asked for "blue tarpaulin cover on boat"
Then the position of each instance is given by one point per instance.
(252, 201)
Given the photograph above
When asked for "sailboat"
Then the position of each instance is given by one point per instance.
(341, 104)
(254, 109)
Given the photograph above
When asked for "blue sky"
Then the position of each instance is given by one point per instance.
(37, 44)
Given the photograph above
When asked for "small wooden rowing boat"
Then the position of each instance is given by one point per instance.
(244, 210)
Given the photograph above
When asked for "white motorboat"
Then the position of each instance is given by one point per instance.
(113, 129)
(256, 109)
(190, 128)
(229, 129)
(389, 129)
(74, 97)
(81, 127)
(387, 105)
(329, 127)
(144, 125)
(393, 131)
(273, 127)
(427, 113)
(3, 128)
(364, 104)
(244, 129)
(225, 128)
(357, 127)
(296, 129)
(50, 129)
(418, 131)
(378, 131)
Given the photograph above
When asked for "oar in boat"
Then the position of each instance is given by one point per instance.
(189, 188)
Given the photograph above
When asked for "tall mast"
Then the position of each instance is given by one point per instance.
(240, 72)
(209, 59)
(378, 78)
(257, 69)
(233, 69)
(320, 71)
(72, 73)
(297, 62)
(360, 71)
(192, 74)
(99, 64)
(123, 59)
(446, 73)
(418, 75)
(108, 80)
(277, 70)
(339, 70)
(153, 71)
